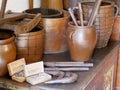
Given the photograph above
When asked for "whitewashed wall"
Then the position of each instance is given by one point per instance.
(19, 5)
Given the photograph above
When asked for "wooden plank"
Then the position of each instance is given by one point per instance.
(3, 7)
(30, 4)
(66, 64)
(67, 68)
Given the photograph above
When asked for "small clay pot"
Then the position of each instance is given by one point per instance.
(46, 12)
(81, 41)
(31, 45)
(7, 50)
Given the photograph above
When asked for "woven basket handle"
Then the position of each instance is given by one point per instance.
(117, 10)
(29, 26)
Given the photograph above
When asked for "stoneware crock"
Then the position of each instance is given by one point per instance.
(7, 50)
(81, 41)
(55, 38)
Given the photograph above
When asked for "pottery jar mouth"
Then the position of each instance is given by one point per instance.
(72, 25)
(46, 12)
(66, 15)
(6, 36)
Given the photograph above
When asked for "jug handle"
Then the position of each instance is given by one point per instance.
(71, 35)
(117, 10)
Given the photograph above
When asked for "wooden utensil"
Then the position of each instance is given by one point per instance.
(3, 7)
(19, 29)
(67, 68)
(72, 16)
(81, 14)
(94, 12)
(66, 64)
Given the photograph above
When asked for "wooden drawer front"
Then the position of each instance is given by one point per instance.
(118, 74)
(105, 78)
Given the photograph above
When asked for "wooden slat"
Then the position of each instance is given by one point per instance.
(30, 4)
(3, 7)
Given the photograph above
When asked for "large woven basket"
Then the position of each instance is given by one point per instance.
(103, 22)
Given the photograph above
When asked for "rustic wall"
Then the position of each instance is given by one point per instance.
(19, 5)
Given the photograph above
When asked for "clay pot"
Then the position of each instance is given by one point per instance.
(31, 45)
(54, 4)
(55, 41)
(46, 12)
(81, 41)
(7, 50)
(103, 22)
(115, 36)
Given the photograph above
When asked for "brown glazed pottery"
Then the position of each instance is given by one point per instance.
(7, 50)
(115, 36)
(81, 41)
(55, 29)
(31, 45)
(55, 39)
(103, 22)
(54, 4)
(46, 12)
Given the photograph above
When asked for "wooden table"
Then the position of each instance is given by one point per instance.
(99, 77)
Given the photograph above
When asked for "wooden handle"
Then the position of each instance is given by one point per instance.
(94, 12)
(72, 16)
(3, 7)
(81, 14)
(29, 26)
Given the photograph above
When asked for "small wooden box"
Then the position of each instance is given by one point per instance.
(35, 74)
(16, 70)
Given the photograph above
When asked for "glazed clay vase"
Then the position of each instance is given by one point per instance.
(55, 29)
(55, 38)
(31, 45)
(7, 50)
(115, 36)
(81, 41)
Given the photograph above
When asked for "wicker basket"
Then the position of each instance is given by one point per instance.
(103, 22)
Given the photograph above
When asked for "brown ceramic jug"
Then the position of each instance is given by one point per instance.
(31, 45)
(7, 50)
(115, 36)
(55, 41)
(55, 29)
(81, 41)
